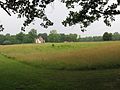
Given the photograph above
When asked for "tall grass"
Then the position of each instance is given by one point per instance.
(67, 56)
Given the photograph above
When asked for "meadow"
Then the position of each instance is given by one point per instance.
(60, 66)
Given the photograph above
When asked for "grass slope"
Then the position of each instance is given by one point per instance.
(66, 66)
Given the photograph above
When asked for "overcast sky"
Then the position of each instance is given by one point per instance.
(56, 12)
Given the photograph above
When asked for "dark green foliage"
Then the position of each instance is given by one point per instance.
(2, 38)
(1, 28)
(53, 36)
(14, 40)
(53, 45)
(44, 36)
(7, 42)
(62, 37)
(27, 39)
(90, 39)
(28, 9)
(20, 37)
(90, 11)
(116, 36)
(32, 35)
(107, 36)
(71, 38)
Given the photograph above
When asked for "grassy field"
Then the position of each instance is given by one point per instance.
(62, 66)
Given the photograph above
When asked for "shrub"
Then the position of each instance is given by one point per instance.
(7, 42)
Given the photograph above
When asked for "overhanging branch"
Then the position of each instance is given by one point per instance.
(2, 6)
(109, 12)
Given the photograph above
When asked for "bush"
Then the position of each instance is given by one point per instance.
(7, 42)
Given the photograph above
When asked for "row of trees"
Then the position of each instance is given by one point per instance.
(109, 36)
(90, 39)
(54, 37)
(21, 37)
(18, 38)
(106, 37)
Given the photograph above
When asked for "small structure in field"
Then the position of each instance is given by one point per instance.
(39, 40)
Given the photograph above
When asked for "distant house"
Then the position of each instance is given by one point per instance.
(39, 40)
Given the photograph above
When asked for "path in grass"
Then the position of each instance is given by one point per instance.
(66, 56)
(60, 73)
(19, 76)
(16, 76)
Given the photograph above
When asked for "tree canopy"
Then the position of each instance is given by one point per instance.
(89, 11)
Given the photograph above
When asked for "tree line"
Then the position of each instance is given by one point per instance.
(22, 38)
(105, 37)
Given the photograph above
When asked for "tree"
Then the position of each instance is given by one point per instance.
(107, 36)
(97, 38)
(53, 36)
(110, 36)
(13, 39)
(27, 39)
(116, 36)
(90, 11)
(71, 38)
(53, 32)
(62, 37)
(6, 42)
(30, 9)
(2, 38)
(32, 35)
(20, 37)
(44, 36)
(7, 36)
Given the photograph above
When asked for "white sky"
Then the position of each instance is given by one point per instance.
(56, 12)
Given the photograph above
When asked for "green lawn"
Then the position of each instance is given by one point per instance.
(64, 66)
